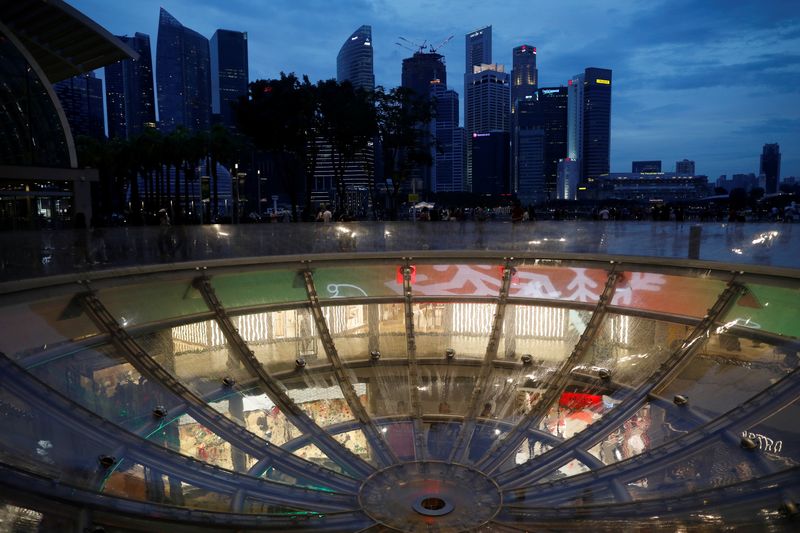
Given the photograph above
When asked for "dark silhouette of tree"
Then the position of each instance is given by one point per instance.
(348, 125)
(402, 123)
(281, 118)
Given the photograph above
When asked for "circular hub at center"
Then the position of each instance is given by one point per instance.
(420, 495)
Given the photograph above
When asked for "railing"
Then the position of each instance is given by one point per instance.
(32, 254)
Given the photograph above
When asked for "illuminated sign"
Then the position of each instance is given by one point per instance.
(581, 188)
(601, 81)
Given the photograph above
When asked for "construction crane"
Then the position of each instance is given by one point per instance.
(441, 44)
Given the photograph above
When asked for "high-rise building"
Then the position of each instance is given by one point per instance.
(420, 70)
(568, 179)
(595, 160)
(524, 74)
(478, 48)
(771, 166)
(487, 96)
(82, 99)
(490, 172)
(354, 62)
(575, 118)
(448, 170)
(684, 168)
(546, 112)
(183, 76)
(529, 157)
(229, 73)
(642, 167)
(130, 100)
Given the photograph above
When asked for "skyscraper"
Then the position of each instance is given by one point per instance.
(420, 70)
(229, 73)
(487, 95)
(183, 75)
(684, 168)
(354, 62)
(130, 102)
(575, 118)
(478, 48)
(548, 113)
(771, 166)
(529, 157)
(448, 170)
(490, 172)
(524, 74)
(82, 99)
(595, 160)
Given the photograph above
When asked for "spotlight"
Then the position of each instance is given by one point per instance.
(228, 381)
(106, 461)
(300, 362)
(160, 411)
(527, 359)
(604, 374)
(680, 399)
(450, 353)
(748, 444)
(374, 355)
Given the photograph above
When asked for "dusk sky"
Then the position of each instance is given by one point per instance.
(708, 80)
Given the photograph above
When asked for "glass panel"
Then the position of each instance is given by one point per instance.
(195, 440)
(291, 335)
(572, 468)
(392, 341)
(632, 348)
(547, 334)
(321, 398)
(350, 329)
(769, 308)
(457, 280)
(777, 436)
(386, 386)
(42, 325)
(717, 465)
(357, 281)
(356, 442)
(557, 283)
(460, 327)
(260, 288)
(400, 437)
(677, 295)
(133, 305)
(310, 452)
(46, 444)
(102, 381)
(254, 506)
(727, 370)
(446, 388)
(440, 438)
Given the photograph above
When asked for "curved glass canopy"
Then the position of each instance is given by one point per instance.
(395, 394)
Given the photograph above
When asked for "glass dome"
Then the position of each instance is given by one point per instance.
(396, 393)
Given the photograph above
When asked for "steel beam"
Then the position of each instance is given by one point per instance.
(204, 413)
(504, 448)
(468, 426)
(131, 447)
(413, 372)
(528, 473)
(383, 454)
(324, 441)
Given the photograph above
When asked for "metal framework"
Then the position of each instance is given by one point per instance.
(468, 425)
(201, 411)
(420, 448)
(501, 450)
(632, 402)
(383, 454)
(330, 446)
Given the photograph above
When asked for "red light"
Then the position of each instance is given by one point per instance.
(413, 275)
(569, 82)
(534, 49)
(268, 89)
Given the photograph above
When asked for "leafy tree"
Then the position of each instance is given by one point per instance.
(402, 123)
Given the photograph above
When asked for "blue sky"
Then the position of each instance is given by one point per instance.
(708, 80)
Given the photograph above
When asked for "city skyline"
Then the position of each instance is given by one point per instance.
(711, 83)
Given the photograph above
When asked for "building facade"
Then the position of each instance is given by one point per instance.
(183, 76)
(355, 60)
(130, 98)
(448, 169)
(490, 161)
(575, 118)
(651, 187)
(487, 96)
(596, 156)
(684, 167)
(771, 166)
(229, 73)
(529, 156)
(82, 99)
(569, 176)
(524, 74)
(422, 69)
(641, 167)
